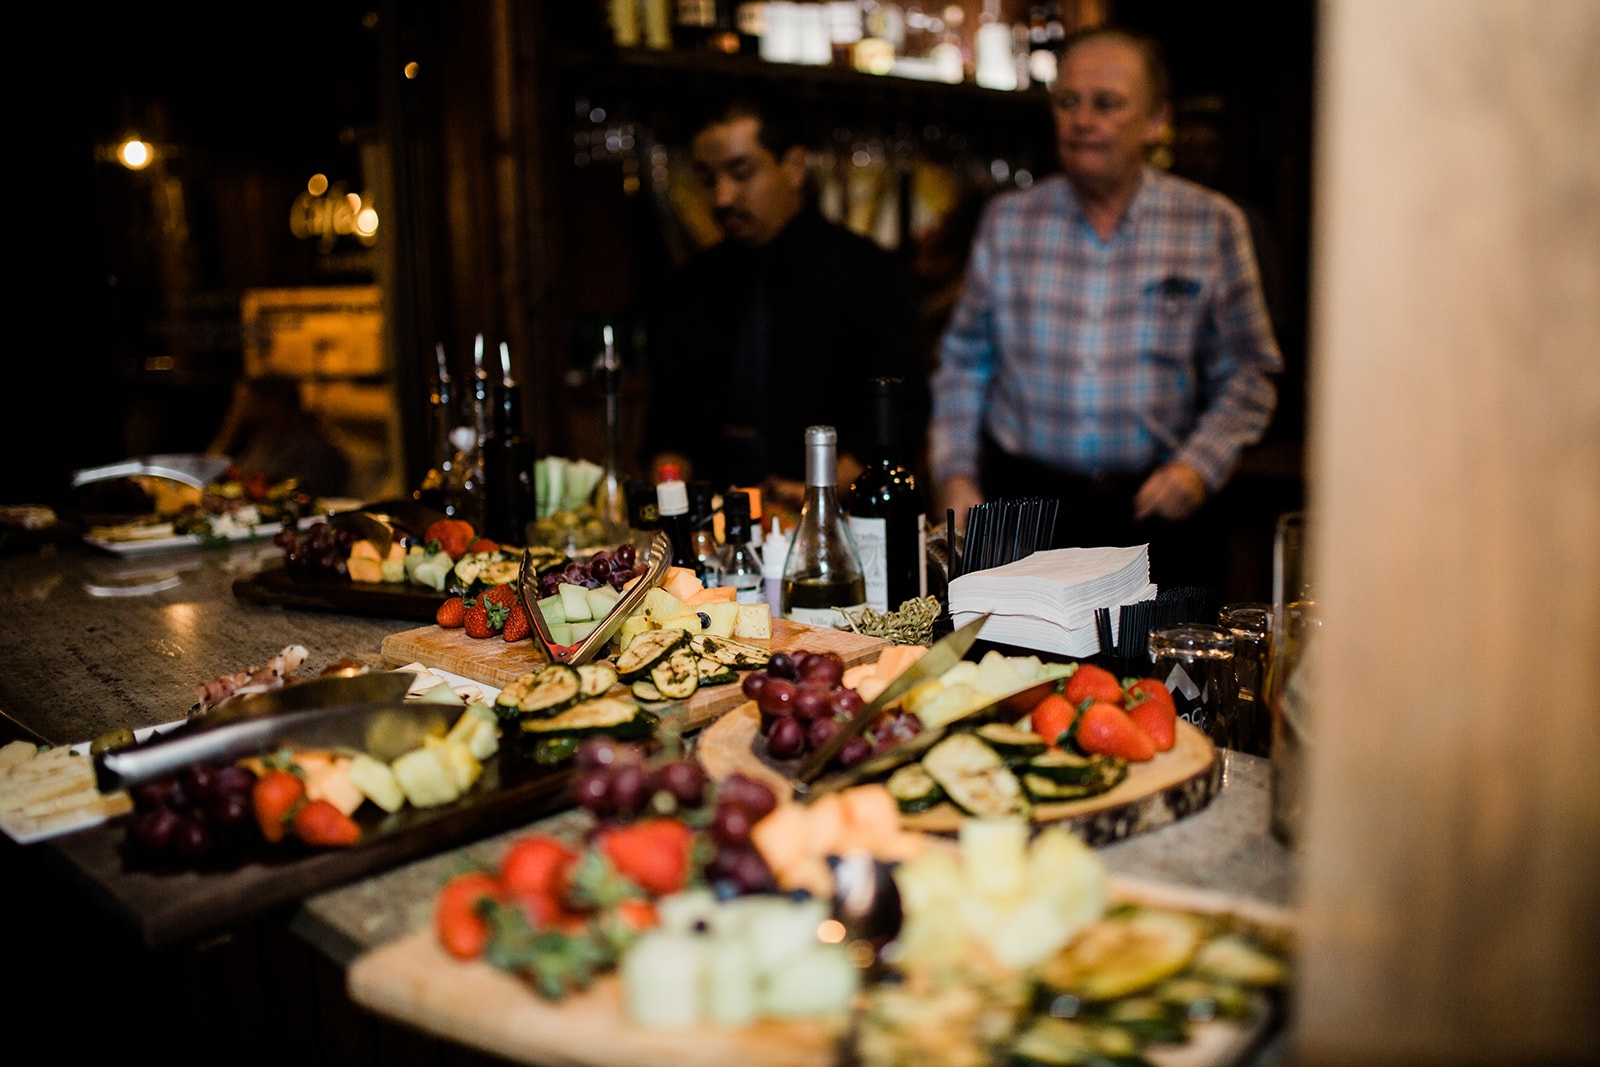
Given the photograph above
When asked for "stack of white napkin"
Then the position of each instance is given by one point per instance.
(1047, 601)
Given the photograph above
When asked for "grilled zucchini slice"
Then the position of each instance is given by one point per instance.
(544, 691)
(1124, 952)
(678, 675)
(1051, 1042)
(646, 650)
(1015, 745)
(612, 716)
(645, 689)
(714, 673)
(730, 652)
(1055, 780)
(914, 789)
(974, 777)
(596, 679)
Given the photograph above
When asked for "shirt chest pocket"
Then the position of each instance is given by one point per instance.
(1170, 311)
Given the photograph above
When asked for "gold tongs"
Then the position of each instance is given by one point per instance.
(583, 651)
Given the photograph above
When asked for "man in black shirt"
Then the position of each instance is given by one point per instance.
(778, 326)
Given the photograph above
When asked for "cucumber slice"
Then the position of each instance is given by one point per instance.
(914, 789)
(974, 777)
(645, 651)
(1015, 745)
(596, 679)
(542, 692)
(1124, 953)
(730, 652)
(613, 716)
(677, 676)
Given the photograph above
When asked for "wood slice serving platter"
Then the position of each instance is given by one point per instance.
(492, 661)
(414, 981)
(1155, 793)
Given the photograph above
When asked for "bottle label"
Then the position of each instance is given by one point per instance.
(872, 543)
(830, 618)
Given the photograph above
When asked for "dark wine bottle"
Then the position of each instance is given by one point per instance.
(510, 501)
(672, 504)
(887, 516)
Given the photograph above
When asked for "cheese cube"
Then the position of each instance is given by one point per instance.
(753, 620)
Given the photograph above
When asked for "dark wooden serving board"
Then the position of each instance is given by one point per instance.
(168, 905)
(329, 592)
(492, 661)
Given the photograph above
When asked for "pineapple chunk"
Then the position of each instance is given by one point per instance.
(724, 614)
(753, 620)
(660, 605)
(478, 731)
(689, 622)
(377, 782)
(458, 760)
(632, 627)
(427, 780)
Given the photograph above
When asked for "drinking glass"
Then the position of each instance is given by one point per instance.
(1290, 665)
(1195, 663)
(1250, 626)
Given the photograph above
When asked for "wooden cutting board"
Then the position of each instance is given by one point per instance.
(1160, 791)
(494, 662)
(413, 980)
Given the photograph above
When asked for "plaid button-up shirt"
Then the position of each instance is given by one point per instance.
(1114, 356)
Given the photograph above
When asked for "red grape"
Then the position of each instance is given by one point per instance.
(821, 731)
(811, 701)
(152, 829)
(192, 837)
(625, 556)
(684, 779)
(748, 871)
(604, 752)
(777, 698)
(786, 739)
(781, 665)
(751, 794)
(592, 792)
(846, 702)
(824, 667)
(753, 684)
(854, 751)
(630, 789)
(730, 825)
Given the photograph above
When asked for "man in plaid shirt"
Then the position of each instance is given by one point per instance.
(1111, 346)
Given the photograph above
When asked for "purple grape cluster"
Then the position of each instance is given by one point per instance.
(736, 867)
(320, 548)
(803, 705)
(605, 567)
(202, 812)
(615, 783)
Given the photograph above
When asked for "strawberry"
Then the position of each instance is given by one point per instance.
(319, 823)
(483, 544)
(536, 864)
(518, 628)
(274, 797)
(651, 853)
(453, 535)
(452, 614)
(1105, 729)
(1150, 705)
(503, 595)
(483, 618)
(458, 916)
(1052, 717)
(1089, 682)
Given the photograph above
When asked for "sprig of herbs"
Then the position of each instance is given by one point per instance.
(910, 624)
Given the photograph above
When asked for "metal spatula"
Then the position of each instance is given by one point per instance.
(190, 468)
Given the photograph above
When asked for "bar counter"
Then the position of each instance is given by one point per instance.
(90, 642)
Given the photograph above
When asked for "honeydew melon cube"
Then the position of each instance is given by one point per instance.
(819, 981)
(575, 602)
(662, 979)
(724, 615)
(552, 610)
(581, 630)
(561, 633)
(601, 600)
(731, 997)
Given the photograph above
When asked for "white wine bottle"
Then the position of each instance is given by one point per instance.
(822, 576)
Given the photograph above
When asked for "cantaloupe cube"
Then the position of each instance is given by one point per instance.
(871, 818)
(782, 837)
(711, 595)
(682, 582)
(825, 819)
(330, 781)
(854, 676)
(896, 658)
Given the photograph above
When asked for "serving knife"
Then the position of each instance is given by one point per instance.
(384, 731)
(940, 657)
